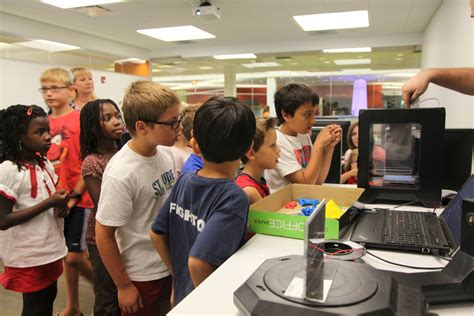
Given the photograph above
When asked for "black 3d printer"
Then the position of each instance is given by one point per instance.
(391, 167)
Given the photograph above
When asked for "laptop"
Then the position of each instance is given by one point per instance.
(414, 231)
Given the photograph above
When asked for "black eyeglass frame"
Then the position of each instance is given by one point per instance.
(173, 123)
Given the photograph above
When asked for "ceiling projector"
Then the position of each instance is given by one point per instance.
(207, 11)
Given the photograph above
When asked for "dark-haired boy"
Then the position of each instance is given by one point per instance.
(300, 161)
(204, 220)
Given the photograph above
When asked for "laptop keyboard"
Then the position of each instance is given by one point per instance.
(405, 228)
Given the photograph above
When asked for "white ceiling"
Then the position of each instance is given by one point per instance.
(256, 26)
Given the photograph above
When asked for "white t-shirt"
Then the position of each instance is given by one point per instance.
(40, 240)
(294, 156)
(133, 191)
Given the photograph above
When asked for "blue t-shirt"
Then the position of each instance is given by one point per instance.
(194, 163)
(204, 218)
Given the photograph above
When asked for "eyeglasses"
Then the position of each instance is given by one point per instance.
(52, 89)
(173, 123)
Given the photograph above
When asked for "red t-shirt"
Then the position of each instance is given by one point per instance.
(244, 180)
(65, 153)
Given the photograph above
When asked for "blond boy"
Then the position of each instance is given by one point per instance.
(56, 89)
(136, 182)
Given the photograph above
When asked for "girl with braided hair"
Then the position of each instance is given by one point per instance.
(31, 209)
(101, 130)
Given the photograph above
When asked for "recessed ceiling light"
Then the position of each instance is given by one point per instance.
(362, 61)
(398, 59)
(235, 56)
(400, 55)
(177, 33)
(327, 62)
(261, 65)
(48, 45)
(348, 50)
(205, 68)
(333, 21)
(67, 4)
(157, 70)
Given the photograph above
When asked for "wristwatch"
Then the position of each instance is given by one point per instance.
(74, 195)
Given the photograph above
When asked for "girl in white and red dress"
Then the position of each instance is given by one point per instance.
(31, 209)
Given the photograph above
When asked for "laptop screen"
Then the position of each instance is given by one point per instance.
(452, 213)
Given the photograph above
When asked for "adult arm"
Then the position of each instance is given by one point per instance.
(458, 79)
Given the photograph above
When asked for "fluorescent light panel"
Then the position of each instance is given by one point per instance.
(333, 21)
(356, 70)
(348, 50)
(177, 33)
(361, 61)
(132, 60)
(68, 4)
(262, 65)
(49, 46)
(235, 56)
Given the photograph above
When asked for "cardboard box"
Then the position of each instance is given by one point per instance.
(268, 216)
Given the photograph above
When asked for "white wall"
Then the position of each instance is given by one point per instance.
(19, 83)
(448, 41)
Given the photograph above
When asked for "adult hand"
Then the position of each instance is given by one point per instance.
(415, 87)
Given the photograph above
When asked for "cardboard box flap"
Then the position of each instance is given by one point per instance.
(343, 197)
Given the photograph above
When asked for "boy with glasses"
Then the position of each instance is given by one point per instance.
(56, 89)
(135, 184)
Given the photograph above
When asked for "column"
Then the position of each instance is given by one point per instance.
(230, 81)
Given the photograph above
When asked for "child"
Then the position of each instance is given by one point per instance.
(135, 185)
(300, 161)
(350, 174)
(83, 87)
(204, 220)
(181, 149)
(30, 209)
(350, 157)
(56, 88)
(101, 131)
(263, 155)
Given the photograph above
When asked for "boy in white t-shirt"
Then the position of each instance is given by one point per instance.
(136, 182)
(300, 160)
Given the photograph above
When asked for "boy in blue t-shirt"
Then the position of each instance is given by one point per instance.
(203, 222)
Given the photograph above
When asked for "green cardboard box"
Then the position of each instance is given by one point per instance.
(270, 217)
